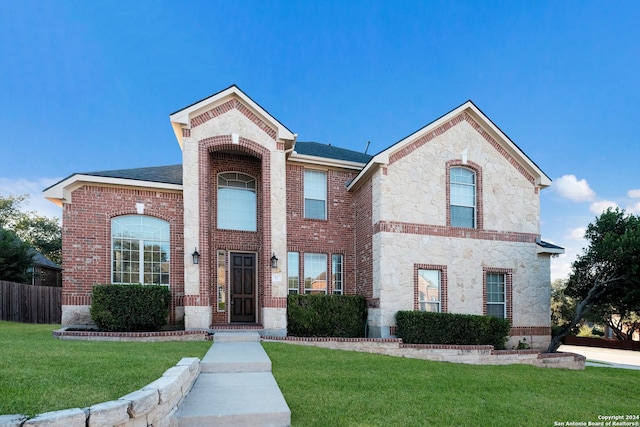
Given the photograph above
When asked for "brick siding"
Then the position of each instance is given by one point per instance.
(86, 237)
(335, 235)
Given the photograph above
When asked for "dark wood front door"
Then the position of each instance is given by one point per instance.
(243, 287)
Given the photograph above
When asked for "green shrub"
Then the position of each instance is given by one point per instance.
(421, 327)
(326, 315)
(585, 331)
(130, 307)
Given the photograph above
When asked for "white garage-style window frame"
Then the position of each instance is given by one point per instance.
(237, 202)
(315, 194)
(140, 250)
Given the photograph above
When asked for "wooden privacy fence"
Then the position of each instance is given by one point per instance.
(30, 304)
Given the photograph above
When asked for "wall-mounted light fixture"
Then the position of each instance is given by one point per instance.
(196, 256)
(274, 261)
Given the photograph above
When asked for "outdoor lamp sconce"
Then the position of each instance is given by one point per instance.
(196, 256)
(274, 261)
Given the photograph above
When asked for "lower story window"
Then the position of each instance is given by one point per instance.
(221, 282)
(140, 250)
(496, 295)
(336, 273)
(293, 272)
(315, 273)
(429, 290)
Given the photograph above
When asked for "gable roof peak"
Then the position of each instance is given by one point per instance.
(182, 118)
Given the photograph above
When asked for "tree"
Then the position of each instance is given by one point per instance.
(562, 305)
(15, 257)
(607, 273)
(41, 233)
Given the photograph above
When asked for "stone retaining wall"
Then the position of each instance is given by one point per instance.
(154, 405)
(470, 354)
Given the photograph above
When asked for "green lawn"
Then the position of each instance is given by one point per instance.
(330, 387)
(39, 373)
(322, 387)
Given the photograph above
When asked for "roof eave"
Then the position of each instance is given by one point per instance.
(325, 161)
(541, 179)
(380, 159)
(61, 192)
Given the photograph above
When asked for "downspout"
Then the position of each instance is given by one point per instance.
(293, 146)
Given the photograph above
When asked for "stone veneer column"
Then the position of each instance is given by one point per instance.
(195, 317)
(274, 316)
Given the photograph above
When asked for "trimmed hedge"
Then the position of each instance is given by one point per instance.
(326, 316)
(130, 307)
(421, 327)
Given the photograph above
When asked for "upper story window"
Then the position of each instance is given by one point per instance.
(462, 182)
(315, 194)
(140, 250)
(237, 202)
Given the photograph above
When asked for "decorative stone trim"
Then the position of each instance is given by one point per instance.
(228, 106)
(469, 354)
(445, 231)
(155, 404)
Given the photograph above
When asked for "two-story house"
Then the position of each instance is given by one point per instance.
(447, 219)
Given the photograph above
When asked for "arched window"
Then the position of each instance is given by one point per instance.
(140, 250)
(237, 202)
(462, 193)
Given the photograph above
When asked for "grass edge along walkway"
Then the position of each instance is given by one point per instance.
(333, 387)
(39, 373)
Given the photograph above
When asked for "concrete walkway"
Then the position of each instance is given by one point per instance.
(606, 357)
(235, 386)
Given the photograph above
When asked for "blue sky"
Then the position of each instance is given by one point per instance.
(88, 86)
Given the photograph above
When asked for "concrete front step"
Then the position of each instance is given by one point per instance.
(236, 336)
(234, 399)
(232, 357)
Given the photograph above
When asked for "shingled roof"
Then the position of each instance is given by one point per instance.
(165, 174)
(330, 152)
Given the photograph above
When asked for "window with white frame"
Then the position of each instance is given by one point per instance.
(237, 202)
(462, 182)
(496, 295)
(315, 273)
(315, 194)
(429, 290)
(293, 272)
(336, 273)
(140, 250)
